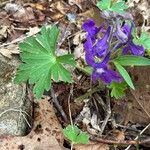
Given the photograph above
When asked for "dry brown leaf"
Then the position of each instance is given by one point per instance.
(92, 146)
(9, 50)
(77, 40)
(60, 6)
(93, 13)
(45, 135)
(119, 135)
(33, 31)
(135, 107)
(38, 6)
(3, 32)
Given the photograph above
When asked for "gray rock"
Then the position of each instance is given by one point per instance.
(15, 107)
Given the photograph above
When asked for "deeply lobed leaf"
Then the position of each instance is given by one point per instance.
(108, 5)
(75, 135)
(118, 89)
(143, 40)
(40, 63)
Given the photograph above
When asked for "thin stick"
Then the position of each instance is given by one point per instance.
(139, 135)
(108, 111)
(59, 108)
(69, 98)
(106, 141)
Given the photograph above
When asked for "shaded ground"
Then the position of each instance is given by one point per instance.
(90, 105)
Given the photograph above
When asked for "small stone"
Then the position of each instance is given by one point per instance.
(15, 107)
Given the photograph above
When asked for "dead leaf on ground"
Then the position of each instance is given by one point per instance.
(135, 107)
(20, 13)
(9, 50)
(93, 13)
(77, 40)
(3, 32)
(92, 146)
(33, 31)
(45, 135)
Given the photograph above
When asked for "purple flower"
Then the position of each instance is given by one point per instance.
(97, 53)
(97, 49)
(103, 72)
(120, 34)
(135, 49)
(91, 29)
(129, 46)
(102, 45)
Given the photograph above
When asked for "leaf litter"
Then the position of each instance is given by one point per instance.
(32, 16)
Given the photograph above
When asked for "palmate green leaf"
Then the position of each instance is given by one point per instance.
(108, 5)
(75, 135)
(104, 4)
(144, 40)
(124, 74)
(131, 60)
(118, 89)
(40, 63)
(119, 7)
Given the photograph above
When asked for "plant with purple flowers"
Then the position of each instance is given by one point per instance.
(114, 45)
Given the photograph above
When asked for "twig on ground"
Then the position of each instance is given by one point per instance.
(128, 128)
(125, 142)
(144, 141)
(69, 98)
(100, 100)
(108, 113)
(59, 108)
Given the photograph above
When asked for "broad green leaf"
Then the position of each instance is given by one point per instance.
(118, 89)
(69, 57)
(82, 138)
(144, 40)
(71, 132)
(108, 5)
(119, 7)
(104, 4)
(124, 74)
(129, 60)
(40, 63)
(75, 135)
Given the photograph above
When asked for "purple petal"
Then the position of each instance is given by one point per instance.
(106, 75)
(128, 30)
(136, 49)
(122, 36)
(102, 45)
(103, 63)
(89, 26)
(114, 75)
(88, 45)
(125, 50)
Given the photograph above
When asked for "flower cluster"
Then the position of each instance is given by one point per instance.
(98, 51)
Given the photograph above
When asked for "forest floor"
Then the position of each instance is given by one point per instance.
(111, 124)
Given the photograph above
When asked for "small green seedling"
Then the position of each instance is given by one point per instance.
(75, 135)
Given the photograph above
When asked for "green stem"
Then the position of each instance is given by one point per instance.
(89, 93)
